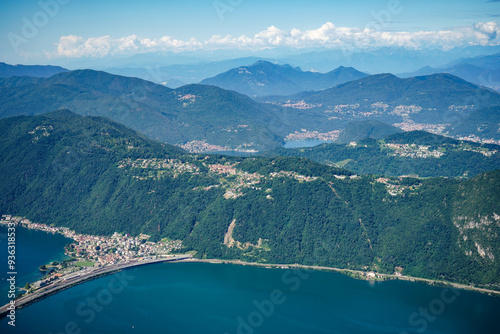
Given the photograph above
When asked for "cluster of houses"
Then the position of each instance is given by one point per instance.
(476, 139)
(405, 111)
(41, 130)
(104, 250)
(200, 146)
(242, 179)
(413, 151)
(293, 175)
(395, 189)
(409, 125)
(158, 167)
(240, 127)
(120, 247)
(486, 152)
(303, 134)
(300, 105)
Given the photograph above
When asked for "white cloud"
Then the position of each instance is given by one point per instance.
(327, 36)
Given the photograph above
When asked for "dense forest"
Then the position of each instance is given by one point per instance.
(96, 176)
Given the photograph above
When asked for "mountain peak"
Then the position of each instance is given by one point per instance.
(265, 78)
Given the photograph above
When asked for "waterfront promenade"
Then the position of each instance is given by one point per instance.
(84, 275)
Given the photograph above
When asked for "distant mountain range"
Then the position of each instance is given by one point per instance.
(490, 62)
(372, 60)
(175, 76)
(483, 70)
(265, 78)
(437, 99)
(384, 59)
(219, 119)
(190, 113)
(38, 71)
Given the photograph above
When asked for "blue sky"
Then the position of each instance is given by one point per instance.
(102, 28)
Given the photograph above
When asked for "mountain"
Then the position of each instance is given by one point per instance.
(96, 176)
(38, 71)
(19, 81)
(359, 130)
(483, 123)
(490, 62)
(407, 153)
(435, 99)
(190, 113)
(178, 75)
(489, 78)
(383, 59)
(265, 78)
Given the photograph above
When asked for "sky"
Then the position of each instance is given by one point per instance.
(53, 31)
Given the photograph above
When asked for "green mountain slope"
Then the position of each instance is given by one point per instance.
(96, 176)
(19, 81)
(437, 98)
(482, 123)
(189, 113)
(359, 130)
(409, 153)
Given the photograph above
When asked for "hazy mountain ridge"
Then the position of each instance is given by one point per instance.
(437, 98)
(177, 75)
(483, 70)
(38, 71)
(264, 78)
(223, 120)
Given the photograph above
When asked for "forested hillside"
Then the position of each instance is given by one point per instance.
(416, 153)
(96, 176)
(190, 113)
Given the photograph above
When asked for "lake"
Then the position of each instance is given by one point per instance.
(304, 143)
(224, 298)
(33, 248)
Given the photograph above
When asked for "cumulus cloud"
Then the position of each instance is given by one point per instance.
(326, 36)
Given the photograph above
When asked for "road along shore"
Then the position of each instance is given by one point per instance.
(84, 277)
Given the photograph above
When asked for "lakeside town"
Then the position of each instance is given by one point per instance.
(202, 146)
(304, 134)
(90, 252)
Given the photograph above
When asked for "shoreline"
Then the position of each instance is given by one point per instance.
(431, 282)
(60, 286)
(74, 281)
(67, 283)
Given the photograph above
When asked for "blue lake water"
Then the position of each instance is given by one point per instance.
(33, 248)
(223, 298)
(304, 143)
